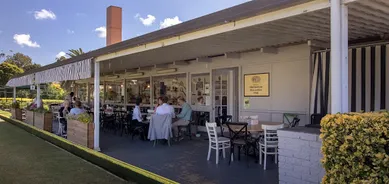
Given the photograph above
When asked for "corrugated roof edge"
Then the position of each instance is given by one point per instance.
(245, 10)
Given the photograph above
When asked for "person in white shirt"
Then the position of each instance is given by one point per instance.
(136, 114)
(164, 108)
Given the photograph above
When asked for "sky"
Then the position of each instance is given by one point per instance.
(46, 29)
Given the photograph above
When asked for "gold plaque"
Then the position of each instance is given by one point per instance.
(257, 85)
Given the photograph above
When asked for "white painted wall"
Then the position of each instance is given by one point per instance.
(289, 80)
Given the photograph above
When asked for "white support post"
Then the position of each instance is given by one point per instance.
(336, 57)
(14, 94)
(88, 93)
(38, 95)
(344, 27)
(96, 107)
(125, 93)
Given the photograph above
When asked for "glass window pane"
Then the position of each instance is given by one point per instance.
(173, 87)
(138, 88)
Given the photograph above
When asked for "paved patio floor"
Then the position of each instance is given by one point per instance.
(186, 162)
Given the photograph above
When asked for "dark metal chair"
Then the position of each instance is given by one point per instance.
(239, 138)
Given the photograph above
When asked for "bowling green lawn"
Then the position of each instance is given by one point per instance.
(25, 158)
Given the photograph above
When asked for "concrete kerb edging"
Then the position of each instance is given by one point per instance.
(115, 166)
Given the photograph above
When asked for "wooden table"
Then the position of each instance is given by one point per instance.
(253, 128)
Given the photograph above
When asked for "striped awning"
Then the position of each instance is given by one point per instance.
(74, 71)
(21, 81)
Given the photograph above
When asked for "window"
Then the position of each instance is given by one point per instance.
(138, 88)
(200, 88)
(173, 87)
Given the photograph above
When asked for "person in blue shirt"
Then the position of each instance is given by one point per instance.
(184, 117)
(77, 109)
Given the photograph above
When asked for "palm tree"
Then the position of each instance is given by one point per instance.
(75, 52)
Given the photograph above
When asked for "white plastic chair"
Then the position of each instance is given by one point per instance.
(215, 142)
(269, 142)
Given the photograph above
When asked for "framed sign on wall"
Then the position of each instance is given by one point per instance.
(257, 85)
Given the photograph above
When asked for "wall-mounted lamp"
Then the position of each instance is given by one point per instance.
(171, 70)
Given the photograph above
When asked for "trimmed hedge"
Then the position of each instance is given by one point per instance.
(356, 148)
(6, 103)
(124, 170)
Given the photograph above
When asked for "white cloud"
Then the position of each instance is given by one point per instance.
(102, 31)
(148, 21)
(25, 40)
(44, 14)
(170, 22)
(60, 54)
(70, 31)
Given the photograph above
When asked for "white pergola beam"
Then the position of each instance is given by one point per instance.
(232, 55)
(182, 63)
(344, 57)
(38, 95)
(318, 44)
(204, 60)
(161, 66)
(269, 50)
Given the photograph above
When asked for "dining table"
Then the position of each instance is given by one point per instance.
(253, 128)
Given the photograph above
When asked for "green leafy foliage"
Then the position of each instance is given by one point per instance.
(42, 110)
(355, 148)
(83, 118)
(15, 105)
(22, 61)
(7, 71)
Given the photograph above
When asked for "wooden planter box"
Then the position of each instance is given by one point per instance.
(81, 133)
(17, 114)
(30, 117)
(43, 121)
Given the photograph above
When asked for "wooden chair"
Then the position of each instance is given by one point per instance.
(269, 142)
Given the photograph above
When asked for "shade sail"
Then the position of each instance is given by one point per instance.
(21, 81)
(74, 71)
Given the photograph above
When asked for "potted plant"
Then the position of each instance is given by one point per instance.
(16, 111)
(29, 115)
(43, 119)
(81, 129)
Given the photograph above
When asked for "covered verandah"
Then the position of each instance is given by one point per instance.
(279, 41)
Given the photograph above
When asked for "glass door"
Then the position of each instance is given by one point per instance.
(225, 94)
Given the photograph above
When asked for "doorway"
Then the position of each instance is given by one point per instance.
(225, 94)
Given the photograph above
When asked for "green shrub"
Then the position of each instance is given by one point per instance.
(83, 118)
(356, 148)
(15, 105)
(42, 110)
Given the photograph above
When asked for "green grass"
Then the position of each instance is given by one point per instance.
(25, 158)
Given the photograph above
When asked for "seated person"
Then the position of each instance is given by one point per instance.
(77, 109)
(164, 108)
(184, 117)
(136, 114)
(63, 111)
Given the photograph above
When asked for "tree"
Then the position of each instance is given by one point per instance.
(22, 61)
(53, 91)
(75, 52)
(33, 66)
(7, 71)
(62, 58)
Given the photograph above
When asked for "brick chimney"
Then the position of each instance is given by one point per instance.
(114, 25)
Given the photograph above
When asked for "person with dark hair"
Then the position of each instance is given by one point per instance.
(77, 109)
(164, 108)
(136, 114)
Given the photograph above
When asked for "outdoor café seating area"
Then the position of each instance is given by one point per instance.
(226, 153)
